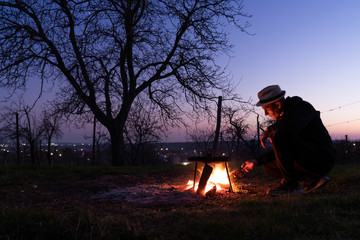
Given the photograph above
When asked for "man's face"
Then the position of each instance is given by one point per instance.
(272, 110)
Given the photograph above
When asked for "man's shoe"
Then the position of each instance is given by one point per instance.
(315, 184)
(286, 188)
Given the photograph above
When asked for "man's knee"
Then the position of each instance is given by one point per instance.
(293, 147)
(272, 170)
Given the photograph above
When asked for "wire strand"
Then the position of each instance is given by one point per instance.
(338, 108)
(339, 123)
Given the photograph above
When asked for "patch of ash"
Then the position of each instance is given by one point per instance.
(150, 193)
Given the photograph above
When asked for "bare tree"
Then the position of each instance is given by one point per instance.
(105, 53)
(143, 130)
(8, 124)
(30, 128)
(237, 131)
(203, 139)
(32, 131)
(102, 141)
(51, 122)
(8, 131)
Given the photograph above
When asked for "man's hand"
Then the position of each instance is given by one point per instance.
(247, 166)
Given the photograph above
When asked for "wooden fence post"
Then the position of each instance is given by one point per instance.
(218, 123)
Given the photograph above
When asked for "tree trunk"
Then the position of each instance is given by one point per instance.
(118, 153)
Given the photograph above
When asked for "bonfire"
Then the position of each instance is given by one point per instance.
(214, 176)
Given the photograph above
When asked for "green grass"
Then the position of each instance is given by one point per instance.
(34, 174)
(295, 218)
(35, 224)
(330, 213)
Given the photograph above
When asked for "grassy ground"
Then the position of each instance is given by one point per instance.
(54, 203)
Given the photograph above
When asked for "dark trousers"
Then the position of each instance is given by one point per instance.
(294, 159)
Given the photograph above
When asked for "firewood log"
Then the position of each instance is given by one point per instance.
(204, 179)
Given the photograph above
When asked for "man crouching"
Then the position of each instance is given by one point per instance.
(302, 149)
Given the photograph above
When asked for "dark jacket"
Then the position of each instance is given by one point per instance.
(301, 121)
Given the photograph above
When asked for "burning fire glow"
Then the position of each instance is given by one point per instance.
(218, 179)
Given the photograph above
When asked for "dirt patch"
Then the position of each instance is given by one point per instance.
(113, 193)
(150, 194)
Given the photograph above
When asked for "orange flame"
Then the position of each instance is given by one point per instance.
(218, 178)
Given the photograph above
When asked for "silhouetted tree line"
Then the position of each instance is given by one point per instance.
(36, 135)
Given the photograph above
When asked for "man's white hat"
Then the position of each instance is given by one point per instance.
(270, 94)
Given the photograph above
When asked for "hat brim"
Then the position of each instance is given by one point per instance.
(271, 100)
